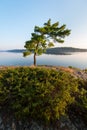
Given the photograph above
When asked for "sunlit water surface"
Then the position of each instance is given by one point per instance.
(78, 60)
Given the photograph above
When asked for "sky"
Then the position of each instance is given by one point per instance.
(19, 17)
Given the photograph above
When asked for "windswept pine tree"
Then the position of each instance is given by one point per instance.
(45, 37)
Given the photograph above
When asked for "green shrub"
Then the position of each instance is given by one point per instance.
(79, 107)
(36, 93)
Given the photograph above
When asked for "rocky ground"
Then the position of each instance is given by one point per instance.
(76, 72)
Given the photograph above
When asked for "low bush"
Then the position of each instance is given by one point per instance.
(37, 93)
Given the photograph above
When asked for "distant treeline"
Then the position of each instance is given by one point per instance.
(56, 50)
(64, 50)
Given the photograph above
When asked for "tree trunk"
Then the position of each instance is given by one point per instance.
(35, 59)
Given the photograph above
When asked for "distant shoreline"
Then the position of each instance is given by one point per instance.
(55, 51)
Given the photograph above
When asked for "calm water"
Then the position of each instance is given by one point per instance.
(78, 60)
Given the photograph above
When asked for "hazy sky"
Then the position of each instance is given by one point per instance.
(18, 18)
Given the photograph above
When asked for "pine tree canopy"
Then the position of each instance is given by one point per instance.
(45, 37)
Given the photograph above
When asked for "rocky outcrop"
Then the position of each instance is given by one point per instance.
(76, 72)
(9, 123)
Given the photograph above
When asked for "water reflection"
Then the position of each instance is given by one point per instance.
(78, 60)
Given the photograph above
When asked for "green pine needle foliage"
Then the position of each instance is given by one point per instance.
(45, 37)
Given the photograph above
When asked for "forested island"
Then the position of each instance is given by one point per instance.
(55, 51)
(64, 50)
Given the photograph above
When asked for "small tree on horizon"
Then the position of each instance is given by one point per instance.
(45, 37)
